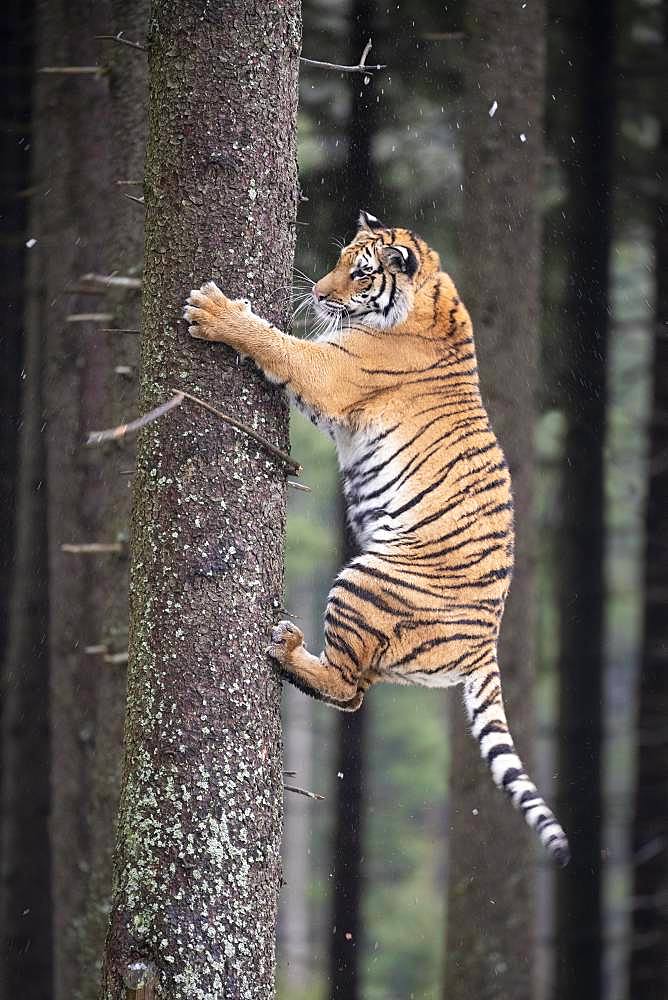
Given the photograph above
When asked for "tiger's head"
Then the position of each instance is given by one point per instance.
(376, 277)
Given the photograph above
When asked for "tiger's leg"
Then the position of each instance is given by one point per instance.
(320, 677)
(321, 375)
(356, 637)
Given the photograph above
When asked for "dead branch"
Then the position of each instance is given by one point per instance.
(299, 486)
(74, 70)
(304, 791)
(96, 650)
(134, 183)
(89, 318)
(361, 66)
(121, 41)
(117, 329)
(92, 548)
(116, 659)
(115, 433)
(131, 197)
(111, 280)
(238, 425)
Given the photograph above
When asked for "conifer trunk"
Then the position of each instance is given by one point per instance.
(198, 860)
(649, 954)
(490, 903)
(587, 148)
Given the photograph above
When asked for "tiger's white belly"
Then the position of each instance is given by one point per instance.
(369, 471)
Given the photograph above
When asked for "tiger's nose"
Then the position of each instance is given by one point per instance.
(318, 293)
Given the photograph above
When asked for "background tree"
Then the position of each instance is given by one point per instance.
(489, 936)
(198, 868)
(587, 152)
(649, 941)
(357, 191)
(25, 911)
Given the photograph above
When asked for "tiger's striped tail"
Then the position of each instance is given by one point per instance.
(484, 704)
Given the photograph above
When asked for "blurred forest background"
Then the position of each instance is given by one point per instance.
(374, 869)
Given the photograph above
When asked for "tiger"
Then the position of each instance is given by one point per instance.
(392, 376)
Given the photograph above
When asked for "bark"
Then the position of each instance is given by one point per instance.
(587, 159)
(359, 188)
(649, 956)
(25, 916)
(128, 100)
(490, 904)
(197, 867)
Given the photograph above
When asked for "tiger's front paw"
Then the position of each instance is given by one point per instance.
(285, 637)
(211, 313)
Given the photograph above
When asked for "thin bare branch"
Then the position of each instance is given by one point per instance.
(131, 197)
(299, 486)
(74, 70)
(117, 659)
(304, 791)
(111, 280)
(361, 66)
(115, 433)
(117, 329)
(96, 650)
(92, 548)
(89, 318)
(238, 425)
(134, 183)
(121, 41)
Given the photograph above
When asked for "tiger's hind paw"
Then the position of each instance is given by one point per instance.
(285, 638)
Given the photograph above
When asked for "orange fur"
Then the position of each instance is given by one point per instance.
(428, 488)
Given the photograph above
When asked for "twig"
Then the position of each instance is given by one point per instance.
(135, 183)
(238, 425)
(111, 280)
(126, 370)
(114, 433)
(92, 548)
(131, 197)
(360, 68)
(96, 650)
(121, 41)
(89, 318)
(299, 486)
(73, 70)
(289, 774)
(117, 659)
(304, 791)
(117, 329)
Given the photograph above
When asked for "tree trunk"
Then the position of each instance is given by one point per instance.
(25, 913)
(128, 104)
(16, 44)
(197, 862)
(649, 956)
(345, 955)
(79, 373)
(490, 904)
(588, 163)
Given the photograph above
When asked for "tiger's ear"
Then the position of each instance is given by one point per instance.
(368, 221)
(399, 259)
